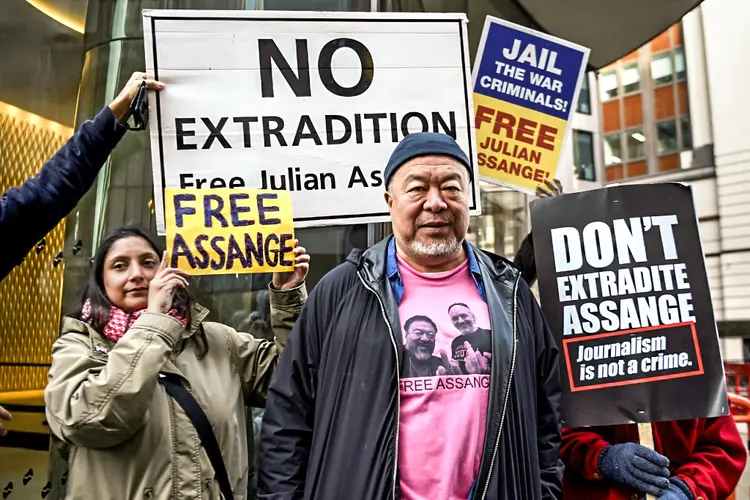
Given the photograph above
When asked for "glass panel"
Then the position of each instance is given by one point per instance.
(331, 5)
(41, 71)
(686, 132)
(631, 78)
(608, 85)
(661, 68)
(612, 149)
(422, 6)
(583, 155)
(679, 63)
(584, 97)
(666, 137)
(503, 223)
(125, 192)
(635, 140)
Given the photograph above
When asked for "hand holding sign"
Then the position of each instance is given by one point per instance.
(291, 279)
(477, 363)
(162, 288)
(552, 189)
(120, 106)
(636, 466)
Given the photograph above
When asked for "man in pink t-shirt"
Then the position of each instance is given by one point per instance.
(455, 392)
(421, 368)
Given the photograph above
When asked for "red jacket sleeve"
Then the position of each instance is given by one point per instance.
(581, 448)
(717, 461)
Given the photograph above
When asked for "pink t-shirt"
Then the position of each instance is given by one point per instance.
(444, 387)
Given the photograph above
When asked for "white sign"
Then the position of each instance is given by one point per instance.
(310, 102)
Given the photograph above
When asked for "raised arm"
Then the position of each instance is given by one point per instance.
(257, 358)
(32, 210)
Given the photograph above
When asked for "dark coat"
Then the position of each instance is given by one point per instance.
(525, 260)
(330, 430)
(29, 212)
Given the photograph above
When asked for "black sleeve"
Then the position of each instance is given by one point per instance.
(549, 392)
(525, 261)
(29, 212)
(286, 433)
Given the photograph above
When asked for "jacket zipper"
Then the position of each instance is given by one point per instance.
(398, 377)
(507, 391)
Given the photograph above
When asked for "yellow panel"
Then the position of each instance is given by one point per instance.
(26, 398)
(30, 297)
(28, 422)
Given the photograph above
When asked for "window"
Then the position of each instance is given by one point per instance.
(666, 137)
(661, 68)
(608, 85)
(679, 63)
(631, 78)
(583, 155)
(324, 5)
(584, 97)
(612, 149)
(635, 140)
(645, 111)
(503, 223)
(686, 132)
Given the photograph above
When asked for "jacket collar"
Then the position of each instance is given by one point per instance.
(102, 345)
(394, 276)
(198, 315)
(374, 263)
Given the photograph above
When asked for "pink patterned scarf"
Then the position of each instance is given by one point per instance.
(119, 321)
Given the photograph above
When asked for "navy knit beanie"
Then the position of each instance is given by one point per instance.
(423, 144)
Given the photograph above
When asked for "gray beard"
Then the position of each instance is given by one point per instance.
(436, 249)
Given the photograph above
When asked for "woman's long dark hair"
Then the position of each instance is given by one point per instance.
(94, 289)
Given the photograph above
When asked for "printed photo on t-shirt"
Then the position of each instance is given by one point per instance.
(479, 340)
(463, 350)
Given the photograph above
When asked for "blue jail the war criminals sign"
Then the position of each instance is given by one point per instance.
(623, 287)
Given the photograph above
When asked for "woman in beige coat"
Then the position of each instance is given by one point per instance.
(125, 436)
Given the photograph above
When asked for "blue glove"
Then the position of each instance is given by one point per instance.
(636, 466)
(677, 491)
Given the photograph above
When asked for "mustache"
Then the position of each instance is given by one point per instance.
(424, 221)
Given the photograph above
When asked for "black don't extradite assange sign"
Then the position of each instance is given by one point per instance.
(623, 286)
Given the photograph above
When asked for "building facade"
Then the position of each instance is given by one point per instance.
(671, 111)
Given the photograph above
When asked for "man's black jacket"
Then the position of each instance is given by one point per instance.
(330, 430)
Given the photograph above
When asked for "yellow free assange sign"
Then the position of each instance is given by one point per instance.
(229, 231)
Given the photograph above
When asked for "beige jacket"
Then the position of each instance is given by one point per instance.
(128, 439)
